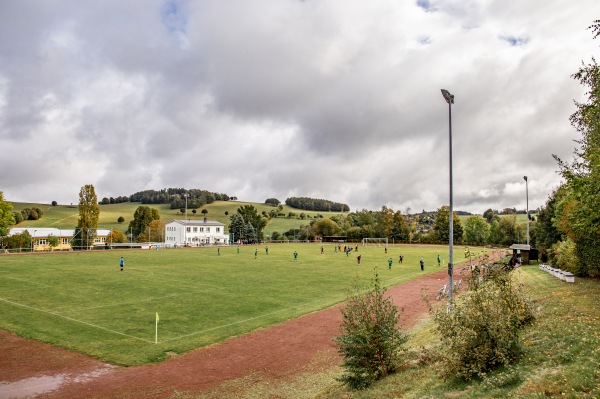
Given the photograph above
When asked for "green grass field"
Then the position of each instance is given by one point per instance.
(81, 301)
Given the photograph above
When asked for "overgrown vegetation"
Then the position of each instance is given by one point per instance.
(370, 340)
(482, 330)
(577, 213)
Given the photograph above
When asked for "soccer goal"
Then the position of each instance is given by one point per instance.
(377, 242)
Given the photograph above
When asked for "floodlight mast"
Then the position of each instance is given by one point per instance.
(450, 100)
(527, 199)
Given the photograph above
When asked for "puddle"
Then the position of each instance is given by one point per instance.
(38, 385)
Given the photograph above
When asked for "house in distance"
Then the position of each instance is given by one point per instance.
(195, 233)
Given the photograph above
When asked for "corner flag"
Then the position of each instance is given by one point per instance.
(156, 329)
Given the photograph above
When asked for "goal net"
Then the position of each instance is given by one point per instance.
(377, 242)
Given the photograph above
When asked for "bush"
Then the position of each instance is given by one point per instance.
(369, 339)
(563, 256)
(33, 215)
(481, 332)
(18, 217)
(121, 219)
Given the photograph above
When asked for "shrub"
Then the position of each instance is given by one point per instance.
(563, 255)
(121, 219)
(481, 332)
(33, 215)
(18, 217)
(369, 339)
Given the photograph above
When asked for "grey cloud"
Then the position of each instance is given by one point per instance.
(335, 100)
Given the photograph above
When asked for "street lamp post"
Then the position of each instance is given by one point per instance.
(450, 100)
(185, 223)
(527, 199)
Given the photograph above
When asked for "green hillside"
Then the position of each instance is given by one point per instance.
(66, 216)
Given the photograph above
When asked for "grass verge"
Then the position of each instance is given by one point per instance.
(562, 357)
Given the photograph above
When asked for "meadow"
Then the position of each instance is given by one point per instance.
(66, 216)
(83, 302)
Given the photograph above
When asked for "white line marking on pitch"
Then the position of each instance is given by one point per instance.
(74, 320)
(170, 279)
(240, 321)
(141, 300)
(27, 281)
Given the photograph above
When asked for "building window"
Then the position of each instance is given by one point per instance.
(218, 229)
(65, 240)
(208, 229)
(201, 229)
(188, 229)
(195, 229)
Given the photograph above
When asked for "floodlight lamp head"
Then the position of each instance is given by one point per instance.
(525, 177)
(449, 97)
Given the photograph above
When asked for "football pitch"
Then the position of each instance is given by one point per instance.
(83, 302)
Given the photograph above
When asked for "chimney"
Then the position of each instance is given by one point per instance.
(205, 219)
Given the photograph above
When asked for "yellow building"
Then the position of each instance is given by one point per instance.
(40, 237)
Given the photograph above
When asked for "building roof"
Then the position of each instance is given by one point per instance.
(522, 247)
(42, 232)
(196, 222)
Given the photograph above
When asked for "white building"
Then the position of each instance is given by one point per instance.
(195, 233)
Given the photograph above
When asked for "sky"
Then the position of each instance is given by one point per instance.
(331, 99)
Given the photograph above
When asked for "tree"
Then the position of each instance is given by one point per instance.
(155, 230)
(488, 215)
(385, 222)
(53, 241)
(545, 230)
(442, 225)
(116, 236)
(369, 341)
(18, 241)
(250, 232)
(495, 235)
(272, 201)
(141, 238)
(476, 230)
(6, 216)
(18, 217)
(121, 219)
(581, 210)
(511, 232)
(236, 226)
(326, 227)
(251, 215)
(400, 229)
(204, 212)
(54, 203)
(142, 218)
(89, 213)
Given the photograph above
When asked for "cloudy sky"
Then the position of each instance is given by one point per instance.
(333, 99)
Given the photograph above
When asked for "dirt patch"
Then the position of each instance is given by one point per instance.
(273, 353)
